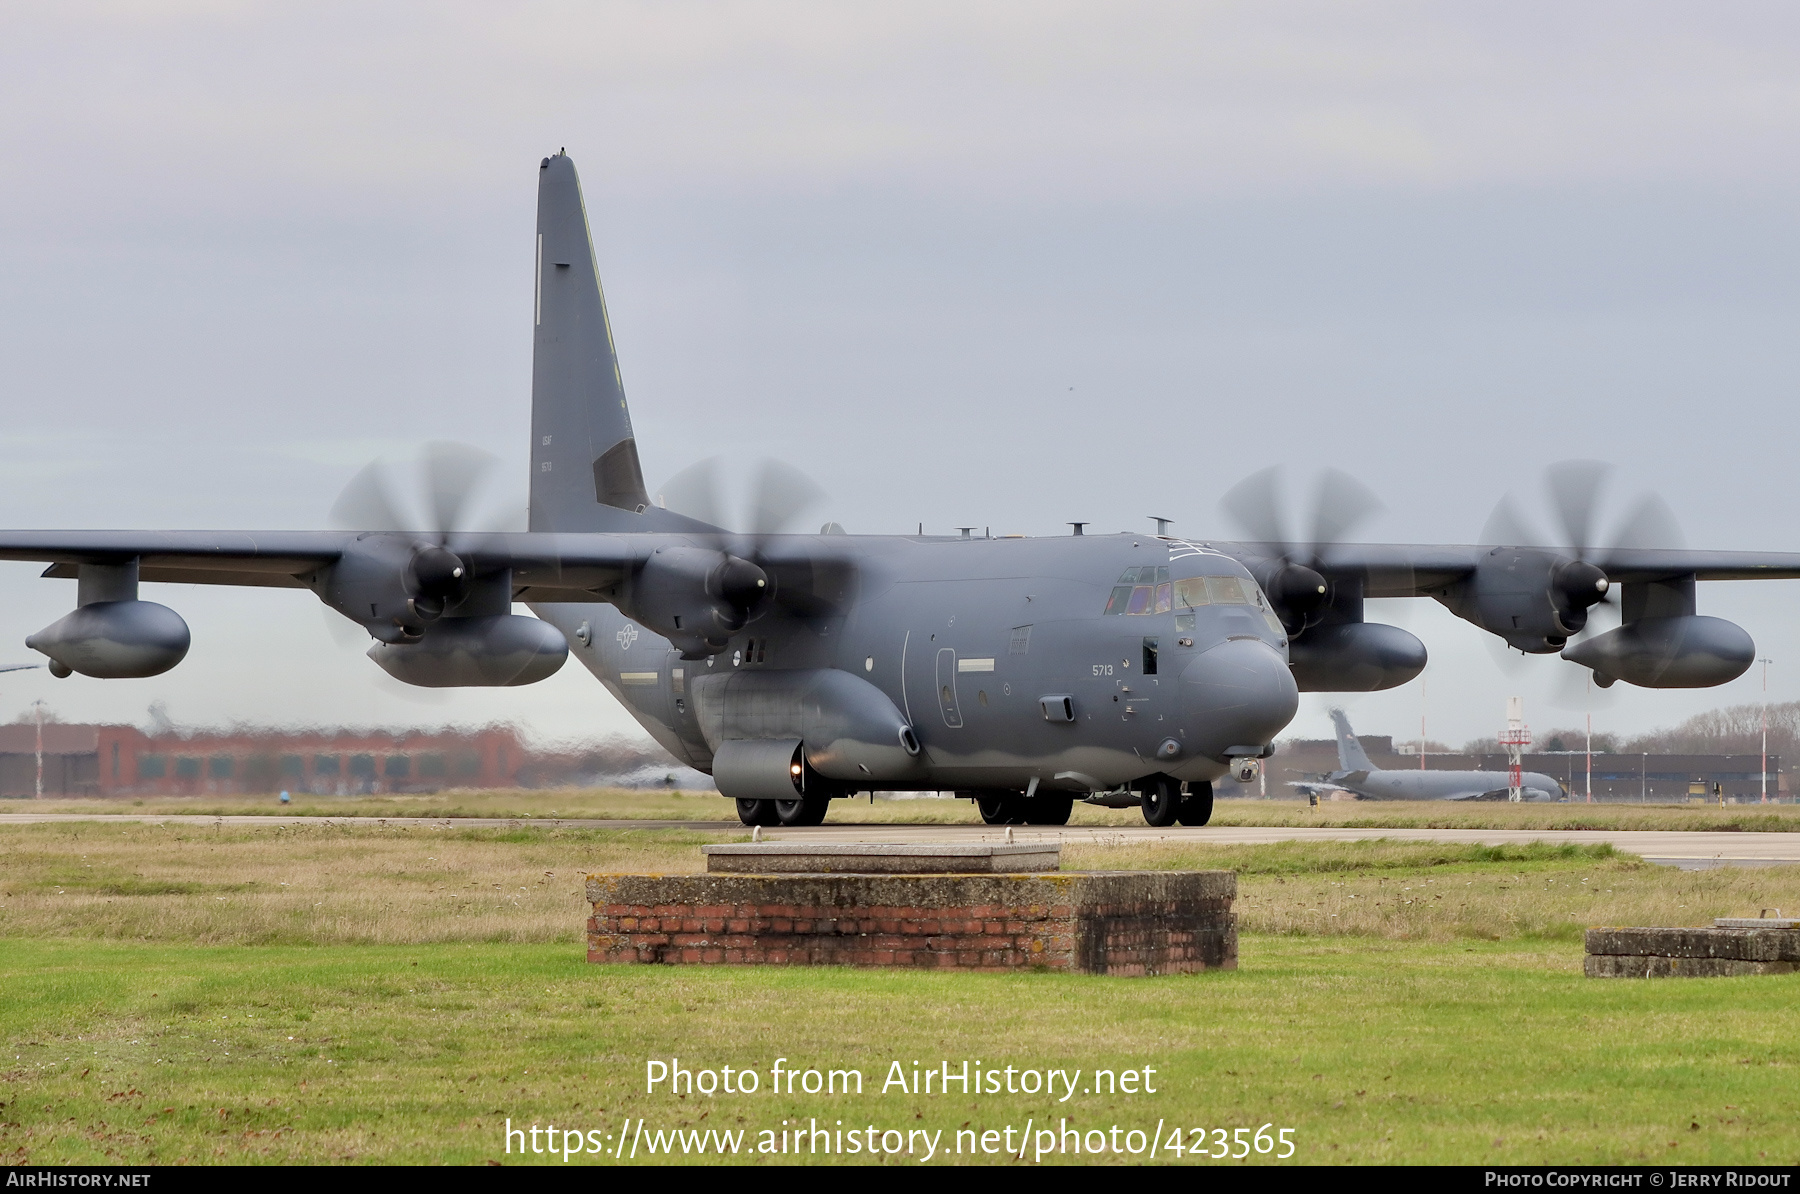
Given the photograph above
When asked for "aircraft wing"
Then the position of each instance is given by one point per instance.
(546, 566)
(1417, 570)
(1315, 789)
(1483, 794)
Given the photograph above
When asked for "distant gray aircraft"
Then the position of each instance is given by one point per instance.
(1357, 774)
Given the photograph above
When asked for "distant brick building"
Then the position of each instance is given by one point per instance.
(119, 760)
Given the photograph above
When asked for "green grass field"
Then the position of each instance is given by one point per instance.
(622, 804)
(365, 994)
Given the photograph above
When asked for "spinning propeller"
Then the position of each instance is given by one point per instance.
(440, 497)
(1295, 582)
(1582, 539)
(772, 504)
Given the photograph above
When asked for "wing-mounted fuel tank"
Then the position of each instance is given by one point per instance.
(478, 642)
(112, 635)
(1664, 643)
(495, 651)
(848, 732)
(1339, 652)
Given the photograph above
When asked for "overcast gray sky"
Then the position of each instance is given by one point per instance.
(1000, 264)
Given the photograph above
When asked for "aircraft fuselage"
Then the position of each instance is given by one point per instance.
(979, 642)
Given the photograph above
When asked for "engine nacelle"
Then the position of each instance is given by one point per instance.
(694, 597)
(1534, 599)
(1689, 651)
(114, 640)
(1355, 657)
(505, 650)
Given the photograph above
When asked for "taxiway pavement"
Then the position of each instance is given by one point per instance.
(1670, 847)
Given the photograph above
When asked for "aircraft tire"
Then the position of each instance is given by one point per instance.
(805, 811)
(756, 812)
(1048, 810)
(1000, 808)
(1161, 802)
(1197, 806)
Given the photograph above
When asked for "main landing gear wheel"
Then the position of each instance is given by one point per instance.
(1161, 801)
(1196, 807)
(757, 812)
(1000, 809)
(1048, 810)
(805, 811)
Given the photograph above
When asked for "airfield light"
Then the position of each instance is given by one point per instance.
(1765, 729)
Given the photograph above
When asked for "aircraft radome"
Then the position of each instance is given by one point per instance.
(1026, 673)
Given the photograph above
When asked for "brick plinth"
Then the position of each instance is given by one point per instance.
(1690, 953)
(1102, 922)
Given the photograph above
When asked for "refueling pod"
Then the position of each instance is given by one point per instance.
(111, 635)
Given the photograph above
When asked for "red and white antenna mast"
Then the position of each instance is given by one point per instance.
(1515, 740)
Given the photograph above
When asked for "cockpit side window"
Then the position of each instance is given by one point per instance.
(1145, 589)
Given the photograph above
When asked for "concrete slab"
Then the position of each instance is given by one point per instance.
(1680, 848)
(1716, 952)
(882, 858)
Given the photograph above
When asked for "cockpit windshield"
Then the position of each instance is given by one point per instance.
(1148, 589)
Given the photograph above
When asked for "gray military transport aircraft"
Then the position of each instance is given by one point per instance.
(1357, 775)
(1025, 673)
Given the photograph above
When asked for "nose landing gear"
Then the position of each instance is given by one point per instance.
(1165, 804)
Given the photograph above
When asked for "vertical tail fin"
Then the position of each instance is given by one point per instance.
(1351, 756)
(585, 474)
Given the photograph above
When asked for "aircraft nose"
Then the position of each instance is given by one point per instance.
(1238, 693)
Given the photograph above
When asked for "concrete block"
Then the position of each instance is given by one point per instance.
(1629, 966)
(1690, 952)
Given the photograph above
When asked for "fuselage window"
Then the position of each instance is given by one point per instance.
(1149, 656)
